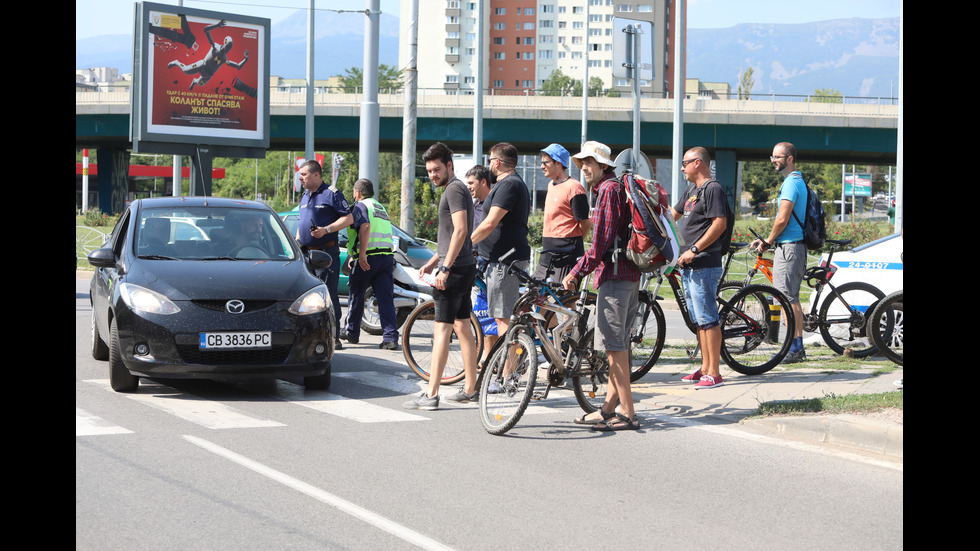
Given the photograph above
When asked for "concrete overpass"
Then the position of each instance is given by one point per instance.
(864, 132)
(858, 131)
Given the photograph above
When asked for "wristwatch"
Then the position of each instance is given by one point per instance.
(443, 269)
(695, 249)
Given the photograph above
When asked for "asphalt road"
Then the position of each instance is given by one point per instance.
(269, 465)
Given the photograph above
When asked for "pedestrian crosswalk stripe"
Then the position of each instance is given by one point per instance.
(87, 424)
(348, 408)
(207, 413)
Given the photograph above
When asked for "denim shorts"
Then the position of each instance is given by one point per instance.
(701, 292)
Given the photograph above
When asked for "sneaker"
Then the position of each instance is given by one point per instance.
(707, 381)
(349, 338)
(388, 345)
(337, 345)
(461, 397)
(693, 377)
(495, 387)
(795, 357)
(423, 402)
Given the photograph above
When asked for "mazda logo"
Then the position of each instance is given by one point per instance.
(235, 306)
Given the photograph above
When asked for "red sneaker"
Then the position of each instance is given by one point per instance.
(693, 377)
(707, 381)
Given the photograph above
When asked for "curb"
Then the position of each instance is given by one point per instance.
(854, 432)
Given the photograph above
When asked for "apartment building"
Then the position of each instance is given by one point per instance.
(524, 41)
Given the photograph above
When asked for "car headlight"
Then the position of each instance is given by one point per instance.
(313, 301)
(141, 299)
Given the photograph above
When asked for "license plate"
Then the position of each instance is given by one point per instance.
(236, 340)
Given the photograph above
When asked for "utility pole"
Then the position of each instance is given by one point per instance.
(410, 39)
(370, 111)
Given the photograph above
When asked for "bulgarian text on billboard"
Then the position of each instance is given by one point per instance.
(204, 76)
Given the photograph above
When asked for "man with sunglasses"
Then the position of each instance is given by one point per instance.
(504, 227)
(789, 256)
(566, 214)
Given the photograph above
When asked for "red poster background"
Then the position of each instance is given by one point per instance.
(179, 100)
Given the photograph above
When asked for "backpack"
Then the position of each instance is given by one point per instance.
(653, 240)
(815, 224)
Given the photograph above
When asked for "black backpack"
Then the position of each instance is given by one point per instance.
(815, 224)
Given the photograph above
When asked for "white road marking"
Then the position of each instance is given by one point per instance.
(87, 424)
(374, 519)
(341, 406)
(207, 413)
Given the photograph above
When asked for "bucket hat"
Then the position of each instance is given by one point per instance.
(558, 153)
(598, 151)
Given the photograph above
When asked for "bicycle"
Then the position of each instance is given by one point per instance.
(888, 334)
(507, 379)
(756, 323)
(417, 340)
(417, 333)
(842, 317)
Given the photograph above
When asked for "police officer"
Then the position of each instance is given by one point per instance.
(323, 211)
(370, 252)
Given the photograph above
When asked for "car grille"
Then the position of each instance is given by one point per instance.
(194, 355)
(250, 305)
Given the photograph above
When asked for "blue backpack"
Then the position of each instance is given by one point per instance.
(815, 220)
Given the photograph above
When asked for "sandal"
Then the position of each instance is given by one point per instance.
(621, 422)
(583, 421)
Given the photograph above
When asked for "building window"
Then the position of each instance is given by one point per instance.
(528, 84)
(452, 79)
(499, 26)
(500, 11)
(544, 54)
(547, 8)
(546, 23)
(529, 40)
(498, 84)
(644, 8)
(498, 40)
(624, 8)
(528, 55)
(499, 55)
(469, 80)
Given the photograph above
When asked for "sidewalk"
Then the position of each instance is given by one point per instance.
(661, 391)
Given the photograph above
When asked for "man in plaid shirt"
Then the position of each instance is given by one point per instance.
(616, 282)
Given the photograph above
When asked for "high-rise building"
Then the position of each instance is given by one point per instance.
(524, 41)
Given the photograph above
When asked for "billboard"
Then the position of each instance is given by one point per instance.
(857, 184)
(200, 78)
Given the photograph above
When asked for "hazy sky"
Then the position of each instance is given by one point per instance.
(98, 17)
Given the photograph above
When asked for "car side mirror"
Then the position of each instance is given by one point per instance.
(320, 260)
(102, 258)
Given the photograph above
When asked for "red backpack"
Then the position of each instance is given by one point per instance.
(650, 242)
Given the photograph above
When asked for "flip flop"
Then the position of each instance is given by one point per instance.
(621, 422)
(583, 421)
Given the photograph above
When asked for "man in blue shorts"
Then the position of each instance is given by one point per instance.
(789, 258)
(704, 208)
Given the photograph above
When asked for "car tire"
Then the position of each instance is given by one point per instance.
(100, 350)
(318, 382)
(120, 379)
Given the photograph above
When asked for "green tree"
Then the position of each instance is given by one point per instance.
(826, 95)
(745, 84)
(560, 84)
(389, 78)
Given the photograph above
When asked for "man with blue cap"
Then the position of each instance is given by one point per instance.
(566, 214)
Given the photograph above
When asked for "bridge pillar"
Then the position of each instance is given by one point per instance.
(113, 179)
(726, 172)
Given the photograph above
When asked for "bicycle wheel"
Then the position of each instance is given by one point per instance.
(843, 315)
(757, 326)
(504, 394)
(417, 341)
(646, 336)
(592, 384)
(887, 332)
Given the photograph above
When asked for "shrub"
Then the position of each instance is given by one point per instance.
(95, 217)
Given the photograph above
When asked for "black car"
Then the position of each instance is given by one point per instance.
(206, 287)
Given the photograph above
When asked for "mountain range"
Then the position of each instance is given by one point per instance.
(857, 57)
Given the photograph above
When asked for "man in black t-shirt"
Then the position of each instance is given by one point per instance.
(704, 207)
(504, 227)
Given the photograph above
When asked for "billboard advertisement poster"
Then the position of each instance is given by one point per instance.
(204, 76)
(857, 184)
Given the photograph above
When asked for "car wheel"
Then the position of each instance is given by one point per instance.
(100, 350)
(318, 382)
(120, 379)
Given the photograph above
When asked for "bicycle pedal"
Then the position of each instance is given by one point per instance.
(541, 395)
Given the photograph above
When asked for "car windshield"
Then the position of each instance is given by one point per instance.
(212, 233)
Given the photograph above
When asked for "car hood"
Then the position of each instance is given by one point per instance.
(224, 279)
